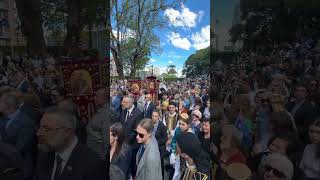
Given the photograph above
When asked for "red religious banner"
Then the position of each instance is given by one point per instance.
(81, 78)
(151, 84)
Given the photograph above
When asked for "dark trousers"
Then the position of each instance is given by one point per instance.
(133, 166)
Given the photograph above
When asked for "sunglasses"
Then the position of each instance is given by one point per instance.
(195, 115)
(275, 172)
(139, 134)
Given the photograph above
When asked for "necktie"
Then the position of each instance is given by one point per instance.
(3, 123)
(145, 107)
(140, 153)
(57, 173)
(127, 115)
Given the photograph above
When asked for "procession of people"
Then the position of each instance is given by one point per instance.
(266, 113)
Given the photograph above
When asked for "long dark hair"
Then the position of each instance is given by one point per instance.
(117, 131)
(202, 162)
(316, 123)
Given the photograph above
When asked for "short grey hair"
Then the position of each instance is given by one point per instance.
(130, 98)
(65, 115)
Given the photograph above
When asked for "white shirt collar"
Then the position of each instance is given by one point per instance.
(65, 155)
(130, 110)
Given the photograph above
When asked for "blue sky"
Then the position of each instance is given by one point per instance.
(190, 32)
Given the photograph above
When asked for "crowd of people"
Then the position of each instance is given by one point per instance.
(266, 113)
(43, 137)
(258, 118)
(162, 135)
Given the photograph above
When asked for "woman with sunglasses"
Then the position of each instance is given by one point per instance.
(120, 152)
(310, 163)
(277, 167)
(148, 157)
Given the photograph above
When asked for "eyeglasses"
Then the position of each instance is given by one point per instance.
(139, 134)
(47, 129)
(195, 115)
(276, 172)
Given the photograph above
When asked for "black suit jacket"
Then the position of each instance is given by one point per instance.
(131, 124)
(303, 118)
(304, 115)
(148, 113)
(83, 164)
(161, 136)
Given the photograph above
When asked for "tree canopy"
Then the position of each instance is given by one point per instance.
(197, 63)
(132, 36)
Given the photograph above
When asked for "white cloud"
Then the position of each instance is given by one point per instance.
(179, 72)
(163, 70)
(129, 33)
(201, 39)
(175, 56)
(170, 62)
(152, 60)
(200, 15)
(184, 18)
(178, 42)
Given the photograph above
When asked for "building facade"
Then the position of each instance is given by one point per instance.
(9, 21)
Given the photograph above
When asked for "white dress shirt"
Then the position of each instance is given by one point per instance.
(65, 155)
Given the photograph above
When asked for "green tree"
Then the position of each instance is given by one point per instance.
(29, 13)
(198, 63)
(70, 18)
(171, 69)
(132, 35)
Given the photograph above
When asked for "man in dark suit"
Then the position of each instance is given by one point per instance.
(204, 96)
(130, 117)
(148, 107)
(23, 84)
(302, 111)
(11, 163)
(61, 156)
(160, 132)
(17, 129)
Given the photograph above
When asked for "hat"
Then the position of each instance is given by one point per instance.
(281, 163)
(197, 113)
(189, 144)
(184, 117)
(238, 171)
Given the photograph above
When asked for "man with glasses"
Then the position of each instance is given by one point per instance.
(61, 156)
(130, 117)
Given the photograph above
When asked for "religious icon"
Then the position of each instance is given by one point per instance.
(135, 88)
(81, 83)
(151, 85)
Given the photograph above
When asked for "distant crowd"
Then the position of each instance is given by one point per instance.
(266, 113)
